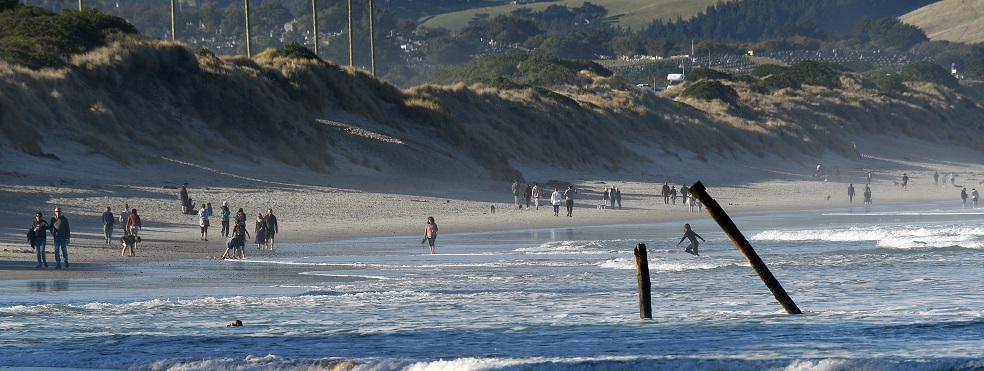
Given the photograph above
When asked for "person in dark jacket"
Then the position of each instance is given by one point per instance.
(61, 234)
(40, 228)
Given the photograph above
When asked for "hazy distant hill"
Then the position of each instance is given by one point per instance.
(952, 20)
(634, 14)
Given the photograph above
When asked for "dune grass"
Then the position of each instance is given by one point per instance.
(138, 94)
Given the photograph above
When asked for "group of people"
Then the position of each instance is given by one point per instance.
(952, 176)
(130, 223)
(61, 235)
(265, 229)
(611, 197)
(867, 193)
(532, 193)
(974, 196)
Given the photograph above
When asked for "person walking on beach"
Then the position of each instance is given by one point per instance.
(108, 222)
(850, 193)
(271, 228)
(569, 196)
(555, 201)
(604, 198)
(40, 229)
(665, 191)
(618, 197)
(203, 222)
(527, 194)
(515, 192)
(936, 178)
(124, 216)
(974, 196)
(430, 232)
(867, 194)
(869, 176)
(133, 224)
(692, 202)
(673, 195)
(685, 193)
(905, 180)
(963, 198)
(224, 214)
(61, 234)
(693, 236)
(536, 196)
(259, 232)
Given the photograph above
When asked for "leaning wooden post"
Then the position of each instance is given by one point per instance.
(746, 249)
(642, 275)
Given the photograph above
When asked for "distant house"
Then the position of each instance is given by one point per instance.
(289, 26)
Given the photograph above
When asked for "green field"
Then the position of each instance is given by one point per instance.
(634, 14)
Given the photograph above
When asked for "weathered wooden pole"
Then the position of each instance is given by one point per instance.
(314, 13)
(642, 275)
(249, 49)
(746, 249)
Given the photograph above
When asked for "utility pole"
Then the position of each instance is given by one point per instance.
(173, 36)
(372, 40)
(314, 12)
(351, 57)
(249, 50)
(80, 5)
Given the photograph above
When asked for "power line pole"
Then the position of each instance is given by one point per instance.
(351, 57)
(172, 22)
(314, 11)
(80, 5)
(249, 50)
(372, 40)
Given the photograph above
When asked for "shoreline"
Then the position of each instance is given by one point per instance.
(92, 258)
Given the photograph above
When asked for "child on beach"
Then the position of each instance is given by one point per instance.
(693, 236)
(129, 242)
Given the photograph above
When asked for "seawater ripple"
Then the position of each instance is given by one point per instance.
(876, 295)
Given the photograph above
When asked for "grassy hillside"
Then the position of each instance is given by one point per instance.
(634, 14)
(951, 20)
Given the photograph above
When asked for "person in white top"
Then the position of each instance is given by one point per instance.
(555, 200)
(203, 222)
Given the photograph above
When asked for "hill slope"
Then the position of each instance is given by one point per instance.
(634, 14)
(951, 20)
(136, 100)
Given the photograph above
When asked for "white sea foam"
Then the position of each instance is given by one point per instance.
(677, 265)
(888, 236)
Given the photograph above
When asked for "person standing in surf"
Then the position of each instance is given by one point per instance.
(430, 232)
(693, 236)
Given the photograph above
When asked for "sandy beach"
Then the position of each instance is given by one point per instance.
(352, 202)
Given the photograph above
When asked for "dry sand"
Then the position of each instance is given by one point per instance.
(353, 201)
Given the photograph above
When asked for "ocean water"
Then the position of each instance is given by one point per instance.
(880, 288)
